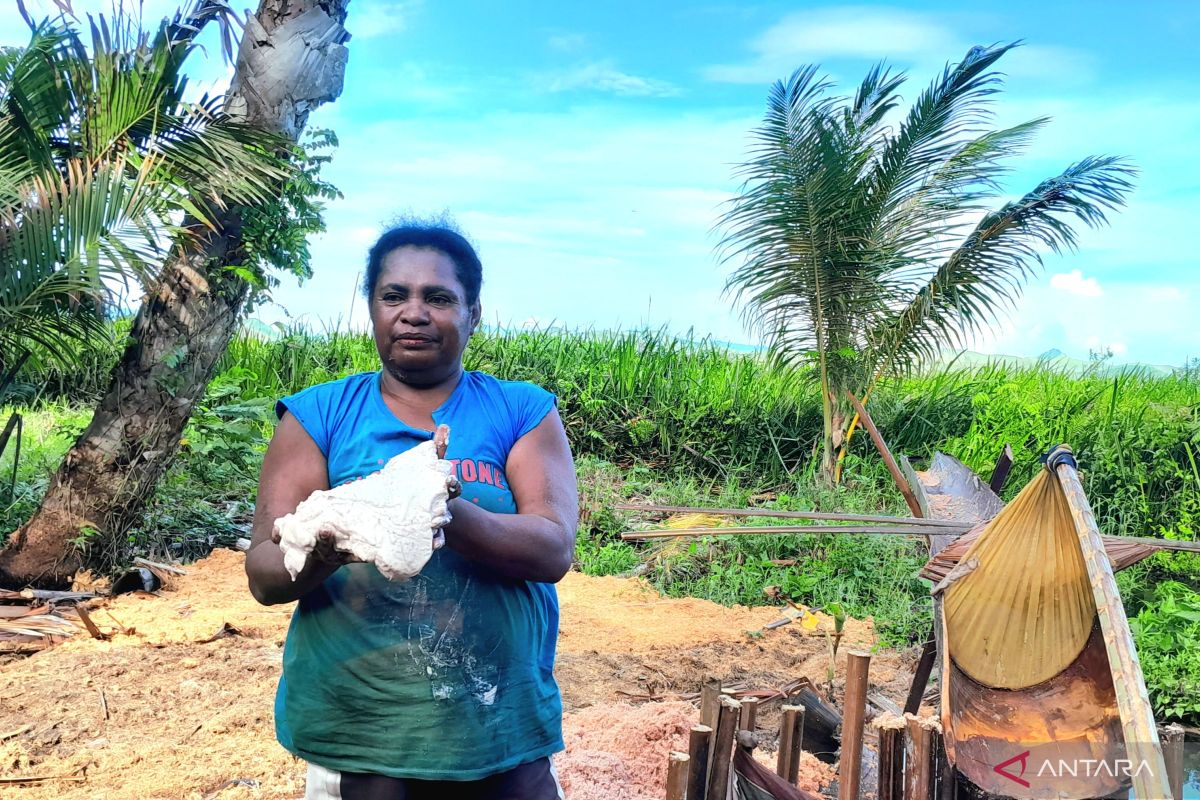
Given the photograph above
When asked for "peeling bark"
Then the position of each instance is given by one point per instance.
(292, 58)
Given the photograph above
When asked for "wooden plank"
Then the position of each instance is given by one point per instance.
(1133, 703)
(855, 709)
(787, 730)
(710, 702)
(888, 459)
(748, 721)
(821, 724)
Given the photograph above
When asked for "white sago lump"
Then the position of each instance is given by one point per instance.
(389, 519)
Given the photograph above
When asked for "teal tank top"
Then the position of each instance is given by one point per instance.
(448, 675)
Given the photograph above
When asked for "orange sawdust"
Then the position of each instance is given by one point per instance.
(155, 713)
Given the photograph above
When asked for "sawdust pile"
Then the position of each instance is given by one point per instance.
(178, 702)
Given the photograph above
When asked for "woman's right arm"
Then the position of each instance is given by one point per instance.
(293, 468)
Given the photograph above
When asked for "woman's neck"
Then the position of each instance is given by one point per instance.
(418, 391)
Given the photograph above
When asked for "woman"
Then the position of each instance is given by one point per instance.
(440, 686)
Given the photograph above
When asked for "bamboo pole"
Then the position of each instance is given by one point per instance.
(1133, 703)
(888, 459)
(722, 749)
(699, 745)
(918, 783)
(771, 512)
(677, 775)
(891, 757)
(1172, 738)
(854, 714)
(775, 530)
(748, 721)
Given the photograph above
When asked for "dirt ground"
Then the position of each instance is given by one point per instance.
(159, 712)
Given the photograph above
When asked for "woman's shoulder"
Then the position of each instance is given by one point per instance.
(330, 392)
(490, 384)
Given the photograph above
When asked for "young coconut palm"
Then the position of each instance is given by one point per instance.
(855, 241)
(100, 156)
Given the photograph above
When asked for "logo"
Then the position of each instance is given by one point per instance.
(1002, 769)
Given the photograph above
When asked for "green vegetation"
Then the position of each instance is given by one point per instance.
(654, 419)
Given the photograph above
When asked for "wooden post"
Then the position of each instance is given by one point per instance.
(710, 694)
(1133, 703)
(677, 775)
(921, 677)
(749, 718)
(918, 784)
(722, 749)
(888, 459)
(787, 730)
(1000, 471)
(850, 768)
(943, 774)
(821, 722)
(699, 745)
(891, 757)
(1172, 739)
(797, 746)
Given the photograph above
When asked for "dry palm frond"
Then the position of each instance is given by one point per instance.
(37, 625)
(1025, 613)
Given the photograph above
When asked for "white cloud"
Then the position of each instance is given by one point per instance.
(1073, 282)
(604, 77)
(567, 42)
(369, 19)
(849, 31)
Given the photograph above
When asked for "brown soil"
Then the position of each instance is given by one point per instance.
(155, 712)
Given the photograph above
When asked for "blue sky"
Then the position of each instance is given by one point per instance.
(587, 149)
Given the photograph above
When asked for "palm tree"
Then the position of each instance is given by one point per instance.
(99, 152)
(290, 60)
(862, 248)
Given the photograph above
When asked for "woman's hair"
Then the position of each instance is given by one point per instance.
(441, 235)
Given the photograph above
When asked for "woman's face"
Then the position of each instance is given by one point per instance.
(421, 316)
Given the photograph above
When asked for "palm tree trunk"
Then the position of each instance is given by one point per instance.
(291, 60)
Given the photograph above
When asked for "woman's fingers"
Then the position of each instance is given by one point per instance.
(441, 440)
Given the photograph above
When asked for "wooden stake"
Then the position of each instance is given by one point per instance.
(921, 678)
(855, 710)
(710, 702)
(722, 749)
(882, 447)
(1133, 703)
(891, 758)
(677, 775)
(941, 771)
(918, 783)
(1000, 471)
(787, 729)
(820, 725)
(1172, 739)
(748, 721)
(699, 745)
(797, 746)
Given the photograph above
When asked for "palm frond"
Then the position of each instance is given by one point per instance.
(986, 273)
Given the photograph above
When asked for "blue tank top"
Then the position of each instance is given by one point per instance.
(449, 675)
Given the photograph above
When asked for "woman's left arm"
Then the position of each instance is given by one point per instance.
(538, 542)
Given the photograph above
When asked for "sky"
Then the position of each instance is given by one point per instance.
(588, 150)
